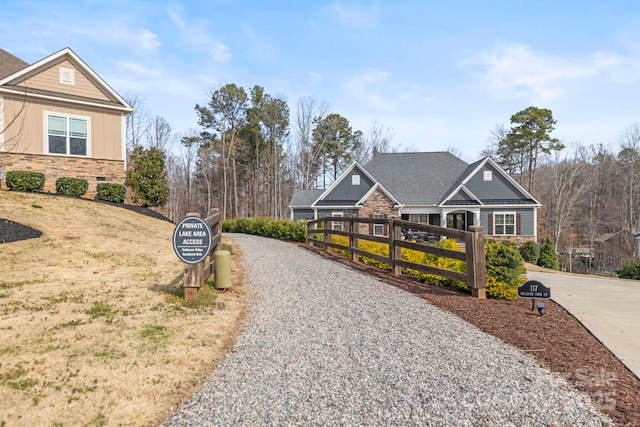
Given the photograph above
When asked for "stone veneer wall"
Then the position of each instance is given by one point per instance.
(378, 202)
(55, 167)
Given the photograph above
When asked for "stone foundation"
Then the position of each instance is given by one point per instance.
(55, 167)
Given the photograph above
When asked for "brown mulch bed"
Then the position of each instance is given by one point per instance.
(556, 340)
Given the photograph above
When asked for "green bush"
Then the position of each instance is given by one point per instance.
(548, 256)
(110, 192)
(630, 271)
(74, 187)
(505, 269)
(148, 176)
(25, 181)
(267, 227)
(530, 252)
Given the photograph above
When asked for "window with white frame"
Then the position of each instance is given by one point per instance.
(378, 229)
(65, 134)
(355, 179)
(487, 176)
(504, 223)
(337, 225)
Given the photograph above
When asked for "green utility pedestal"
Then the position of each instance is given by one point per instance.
(222, 269)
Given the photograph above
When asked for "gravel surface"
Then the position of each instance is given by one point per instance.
(11, 231)
(325, 345)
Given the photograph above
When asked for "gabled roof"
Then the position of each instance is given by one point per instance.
(375, 187)
(10, 64)
(304, 198)
(474, 168)
(344, 174)
(9, 82)
(401, 174)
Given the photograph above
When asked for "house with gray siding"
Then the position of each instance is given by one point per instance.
(436, 188)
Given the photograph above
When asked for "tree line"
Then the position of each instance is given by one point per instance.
(249, 152)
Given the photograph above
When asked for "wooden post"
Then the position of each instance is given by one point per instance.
(327, 236)
(353, 242)
(397, 250)
(476, 262)
(392, 245)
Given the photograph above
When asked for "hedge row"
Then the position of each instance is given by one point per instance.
(278, 229)
(33, 182)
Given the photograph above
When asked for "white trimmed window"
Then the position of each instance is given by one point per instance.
(355, 179)
(504, 223)
(337, 225)
(378, 229)
(66, 135)
(487, 176)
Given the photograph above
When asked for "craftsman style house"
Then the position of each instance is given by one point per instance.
(58, 117)
(436, 188)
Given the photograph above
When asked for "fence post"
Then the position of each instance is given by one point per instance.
(327, 236)
(392, 244)
(353, 242)
(476, 262)
(397, 250)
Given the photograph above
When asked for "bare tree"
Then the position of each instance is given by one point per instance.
(565, 189)
(309, 154)
(137, 122)
(159, 134)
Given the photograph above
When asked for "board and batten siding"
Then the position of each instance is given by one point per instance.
(499, 188)
(27, 135)
(49, 79)
(526, 219)
(345, 190)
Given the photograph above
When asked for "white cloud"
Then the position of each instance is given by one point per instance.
(353, 16)
(516, 71)
(374, 89)
(196, 34)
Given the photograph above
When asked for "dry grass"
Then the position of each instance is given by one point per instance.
(92, 331)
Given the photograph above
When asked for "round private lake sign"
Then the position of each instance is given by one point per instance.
(192, 240)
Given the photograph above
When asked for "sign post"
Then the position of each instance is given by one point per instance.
(192, 242)
(534, 289)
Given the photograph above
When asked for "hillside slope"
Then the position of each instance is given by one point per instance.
(90, 328)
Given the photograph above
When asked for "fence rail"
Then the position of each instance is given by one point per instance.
(473, 255)
(196, 274)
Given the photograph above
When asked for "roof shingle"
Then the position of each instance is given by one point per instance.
(9, 64)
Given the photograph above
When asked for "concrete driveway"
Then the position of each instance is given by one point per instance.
(609, 308)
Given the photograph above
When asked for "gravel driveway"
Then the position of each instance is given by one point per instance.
(325, 345)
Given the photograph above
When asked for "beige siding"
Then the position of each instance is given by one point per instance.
(27, 135)
(49, 79)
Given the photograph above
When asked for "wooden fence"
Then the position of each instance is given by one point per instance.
(196, 274)
(473, 256)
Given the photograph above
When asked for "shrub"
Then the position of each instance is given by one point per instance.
(110, 192)
(148, 177)
(73, 187)
(25, 181)
(292, 231)
(505, 269)
(530, 252)
(548, 256)
(630, 271)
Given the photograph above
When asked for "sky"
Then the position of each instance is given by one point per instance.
(438, 74)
